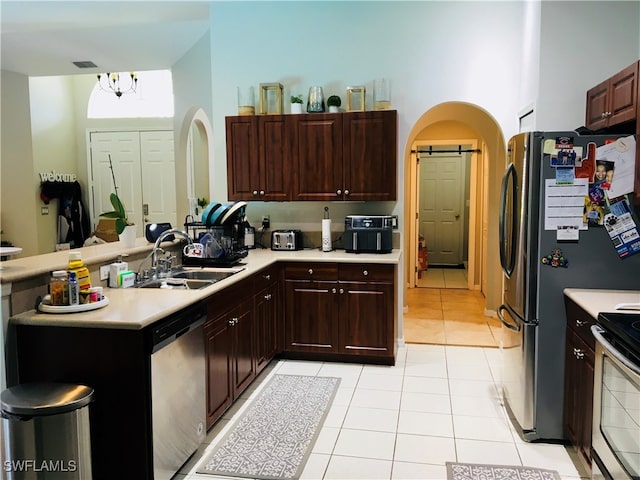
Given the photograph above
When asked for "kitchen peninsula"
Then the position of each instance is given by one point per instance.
(262, 311)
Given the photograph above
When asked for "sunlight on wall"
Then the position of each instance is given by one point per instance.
(153, 98)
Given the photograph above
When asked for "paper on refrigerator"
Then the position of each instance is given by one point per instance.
(622, 153)
(564, 204)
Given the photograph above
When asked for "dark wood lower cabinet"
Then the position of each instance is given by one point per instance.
(578, 383)
(229, 349)
(341, 311)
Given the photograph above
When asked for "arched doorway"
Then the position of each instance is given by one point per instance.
(451, 123)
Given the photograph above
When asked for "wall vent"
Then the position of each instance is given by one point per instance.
(85, 64)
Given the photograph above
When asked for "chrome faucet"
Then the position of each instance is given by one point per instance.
(163, 235)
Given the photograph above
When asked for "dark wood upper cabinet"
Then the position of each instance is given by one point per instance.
(320, 156)
(369, 154)
(317, 144)
(614, 101)
(258, 158)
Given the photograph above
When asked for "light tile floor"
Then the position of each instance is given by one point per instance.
(438, 403)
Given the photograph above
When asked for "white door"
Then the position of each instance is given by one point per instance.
(158, 177)
(124, 149)
(441, 207)
(143, 164)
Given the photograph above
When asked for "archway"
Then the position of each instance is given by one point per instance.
(488, 178)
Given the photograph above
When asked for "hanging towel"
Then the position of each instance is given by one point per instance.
(73, 221)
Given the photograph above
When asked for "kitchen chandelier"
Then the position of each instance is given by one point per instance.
(112, 82)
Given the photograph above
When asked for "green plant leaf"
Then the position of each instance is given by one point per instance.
(120, 224)
(117, 205)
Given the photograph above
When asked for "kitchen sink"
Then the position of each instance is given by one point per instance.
(176, 284)
(190, 279)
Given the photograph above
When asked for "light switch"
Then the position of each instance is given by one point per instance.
(44, 210)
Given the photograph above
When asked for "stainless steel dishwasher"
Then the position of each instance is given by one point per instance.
(178, 389)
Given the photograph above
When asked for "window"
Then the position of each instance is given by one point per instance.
(153, 98)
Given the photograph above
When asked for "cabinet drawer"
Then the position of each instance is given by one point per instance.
(311, 271)
(266, 277)
(580, 322)
(365, 272)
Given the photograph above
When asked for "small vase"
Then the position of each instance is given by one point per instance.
(296, 108)
(315, 104)
(333, 109)
(128, 236)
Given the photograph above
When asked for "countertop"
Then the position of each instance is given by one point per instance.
(136, 308)
(594, 301)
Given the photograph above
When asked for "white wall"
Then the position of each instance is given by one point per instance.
(53, 134)
(433, 52)
(581, 44)
(18, 182)
(191, 88)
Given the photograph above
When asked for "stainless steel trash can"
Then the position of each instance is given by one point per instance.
(45, 432)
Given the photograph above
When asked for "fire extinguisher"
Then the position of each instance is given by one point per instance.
(422, 253)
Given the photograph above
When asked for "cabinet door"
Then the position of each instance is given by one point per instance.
(597, 106)
(266, 325)
(218, 348)
(311, 316)
(369, 150)
(366, 318)
(578, 391)
(317, 154)
(244, 367)
(624, 95)
(275, 160)
(243, 169)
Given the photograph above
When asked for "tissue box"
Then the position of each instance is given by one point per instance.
(106, 230)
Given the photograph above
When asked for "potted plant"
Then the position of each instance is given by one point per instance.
(296, 103)
(125, 229)
(334, 102)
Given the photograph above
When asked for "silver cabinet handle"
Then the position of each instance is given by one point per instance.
(267, 277)
(255, 192)
(311, 271)
(342, 290)
(333, 290)
(261, 192)
(267, 296)
(581, 323)
(578, 353)
(365, 273)
(338, 192)
(233, 321)
(346, 192)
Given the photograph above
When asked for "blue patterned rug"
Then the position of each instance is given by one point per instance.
(472, 471)
(274, 436)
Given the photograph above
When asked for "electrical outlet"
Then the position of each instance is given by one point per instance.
(266, 222)
(104, 272)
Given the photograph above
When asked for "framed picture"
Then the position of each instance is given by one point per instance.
(270, 98)
(356, 99)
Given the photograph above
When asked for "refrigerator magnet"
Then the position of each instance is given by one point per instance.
(565, 175)
(568, 233)
(555, 259)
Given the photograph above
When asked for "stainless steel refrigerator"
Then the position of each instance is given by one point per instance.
(535, 273)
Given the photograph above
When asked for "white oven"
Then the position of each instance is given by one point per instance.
(616, 407)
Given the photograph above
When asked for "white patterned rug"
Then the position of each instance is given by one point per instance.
(472, 471)
(275, 435)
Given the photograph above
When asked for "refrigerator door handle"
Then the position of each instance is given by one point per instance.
(508, 264)
(511, 326)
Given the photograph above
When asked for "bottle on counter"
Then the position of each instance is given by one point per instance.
(74, 289)
(77, 266)
(58, 289)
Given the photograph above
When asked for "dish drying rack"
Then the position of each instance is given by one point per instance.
(231, 256)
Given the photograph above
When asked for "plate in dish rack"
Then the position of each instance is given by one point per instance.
(83, 307)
